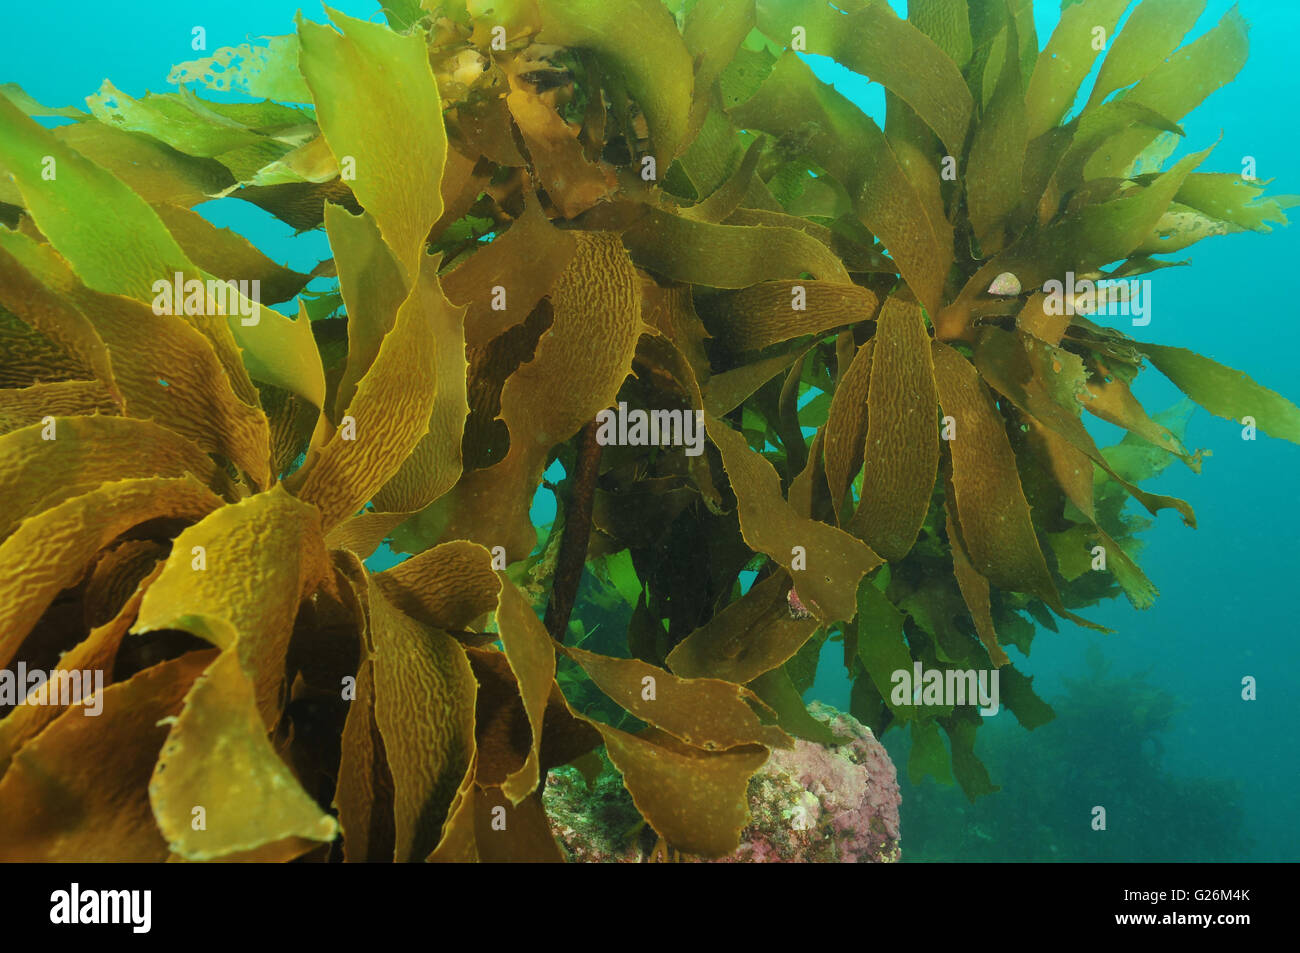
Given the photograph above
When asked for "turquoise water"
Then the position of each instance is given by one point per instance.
(1226, 608)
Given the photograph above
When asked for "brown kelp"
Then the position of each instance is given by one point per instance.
(538, 210)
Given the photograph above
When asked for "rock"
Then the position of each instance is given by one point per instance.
(809, 803)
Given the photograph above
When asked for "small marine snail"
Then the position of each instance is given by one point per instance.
(1005, 285)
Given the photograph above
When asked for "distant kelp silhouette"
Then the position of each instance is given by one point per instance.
(536, 212)
(1152, 812)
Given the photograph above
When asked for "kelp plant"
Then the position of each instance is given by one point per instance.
(538, 210)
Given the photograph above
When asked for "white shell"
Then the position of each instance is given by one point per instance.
(1005, 285)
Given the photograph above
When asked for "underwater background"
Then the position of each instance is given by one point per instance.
(1150, 720)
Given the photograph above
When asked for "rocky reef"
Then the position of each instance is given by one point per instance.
(813, 802)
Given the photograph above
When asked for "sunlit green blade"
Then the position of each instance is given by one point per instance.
(893, 52)
(793, 104)
(1084, 29)
(1177, 86)
(269, 70)
(378, 105)
(1150, 35)
(1226, 392)
(997, 156)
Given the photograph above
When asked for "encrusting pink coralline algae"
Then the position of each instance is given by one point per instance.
(809, 803)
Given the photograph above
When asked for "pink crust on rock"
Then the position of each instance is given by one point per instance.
(818, 803)
(809, 803)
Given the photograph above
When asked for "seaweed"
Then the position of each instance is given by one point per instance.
(1120, 720)
(538, 211)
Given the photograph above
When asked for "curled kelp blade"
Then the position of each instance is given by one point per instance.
(486, 827)
(502, 282)
(33, 358)
(749, 637)
(499, 791)
(50, 551)
(274, 347)
(448, 586)
(727, 256)
(394, 336)
(66, 329)
(165, 369)
(54, 460)
(242, 573)
(249, 799)
(79, 789)
(771, 312)
(373, 288)
(834, 560)
(388, 415)
(531, 655)
(94, 653)
(424, 708)
(24, 406)
(701, 712)
(696, 799)
(435, 465)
